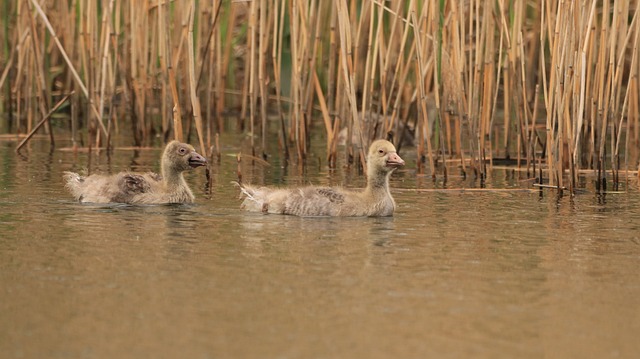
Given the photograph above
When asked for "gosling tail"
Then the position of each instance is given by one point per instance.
(250, 202)
(73, 182)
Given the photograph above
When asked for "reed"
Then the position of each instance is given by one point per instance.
(550, 85)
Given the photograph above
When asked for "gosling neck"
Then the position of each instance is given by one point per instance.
(172, 177)
(378, 180)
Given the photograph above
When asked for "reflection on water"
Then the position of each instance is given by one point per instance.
(453, 274)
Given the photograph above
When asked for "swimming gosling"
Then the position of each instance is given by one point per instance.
(374, 201)
(141, 188)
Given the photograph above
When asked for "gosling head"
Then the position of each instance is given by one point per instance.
(180, 157)
(382, 157)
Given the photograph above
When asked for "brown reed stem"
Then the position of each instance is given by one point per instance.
(195, 101)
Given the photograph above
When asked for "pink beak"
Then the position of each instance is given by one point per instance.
(394, 160)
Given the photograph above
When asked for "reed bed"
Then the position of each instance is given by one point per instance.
(550, 85)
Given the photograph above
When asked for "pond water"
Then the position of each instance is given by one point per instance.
(482, 274)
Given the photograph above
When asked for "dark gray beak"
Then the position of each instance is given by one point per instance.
(196, 160)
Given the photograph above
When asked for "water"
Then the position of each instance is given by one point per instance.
(453, 274)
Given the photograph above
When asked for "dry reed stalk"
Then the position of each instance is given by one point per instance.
(485, 71)
(251, 72)
(245, 87)
(325, 117)
(423, 119)
(296, 127)
(239, 168)
(115, 68)
(195, 101)
(316, 17)
(308, 22)
(303, 33)
(138, 19)
(458, 64)
(262, 78)
(215, 81)
(447, 71)
(174, 60)
(215, 54)
(220, 92)
(104, 59)
(555, 43)
(312, 17)
(276, 58)
(163, 60)
(603, 90)
(348, 73)
(17, 87)
(208, 50)
(375, 71)
(369, 70)
(584, 84)
(504, 39)
(332, 73)
(358, 30)
(28, 90)
(218, 153)
(527, 121)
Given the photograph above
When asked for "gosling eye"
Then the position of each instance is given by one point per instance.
(381, 151)
(182, 151)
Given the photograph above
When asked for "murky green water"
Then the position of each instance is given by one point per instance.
(452, 275)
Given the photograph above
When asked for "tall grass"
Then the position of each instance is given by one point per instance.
(551, 86)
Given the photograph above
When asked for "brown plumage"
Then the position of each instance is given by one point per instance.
(141, 188)
(375, 200)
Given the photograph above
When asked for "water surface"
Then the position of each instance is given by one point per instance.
(453, 274)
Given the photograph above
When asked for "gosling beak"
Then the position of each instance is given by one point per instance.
(196, 160)
(394, 160)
